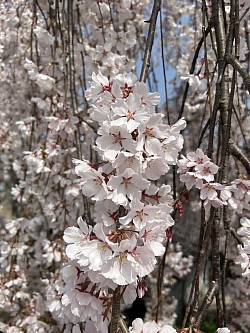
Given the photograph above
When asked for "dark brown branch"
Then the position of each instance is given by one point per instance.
(236, 236)
(194, 292)
(150, 40)
(237, 153)
(160, 281)
(206, 302)
(246, 11)
(164, 70)
(116, 310)
(240, 69)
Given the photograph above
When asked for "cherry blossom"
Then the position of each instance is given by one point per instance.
(149, 327)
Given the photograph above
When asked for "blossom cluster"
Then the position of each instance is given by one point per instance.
(132, 214)
(197, 170)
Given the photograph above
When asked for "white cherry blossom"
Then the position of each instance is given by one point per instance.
(127, 186)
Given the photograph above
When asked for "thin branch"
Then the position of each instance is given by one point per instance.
(160, 281)
(207, 302)
(236, 236)
(246, 11)
(194, 292)
(150, 40)
(240, 69)
(164, 70)
(123, 325)
(237, 153)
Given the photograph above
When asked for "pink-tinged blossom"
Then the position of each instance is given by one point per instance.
(197, 157)
(216, 203)
(52, 149)
(124, 267)
(139, 214)
(191, 180)
(100, 113)
(127, 187)
(182, 165)
(170, 148)
(106, 212)
(148, 99)
(76, 237)
(153, 235)
(114, 139)
(172, 140)
(93, 182)
(35, 161)
(226, 193)
(99, 84)
(206, 171)
(126, 82)
(127, 160)
(155, 195)
(97, 252)
(147, 139)
(129, 112)
(165, 195)
(209, 191)
(154, 168)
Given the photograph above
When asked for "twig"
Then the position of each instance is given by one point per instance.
(247, 10)
(206, 302)
(240, 69)
(236, 237)
(164, 70)
(150, 40)
(160, 281)
(236, 152)
(123, 325)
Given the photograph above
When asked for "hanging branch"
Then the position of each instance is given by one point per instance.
(220, 104)
(150, 40)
